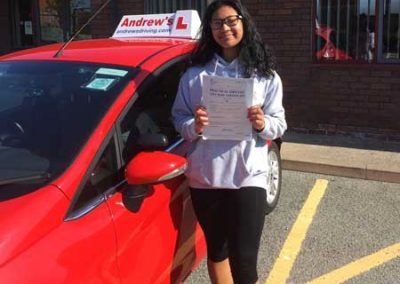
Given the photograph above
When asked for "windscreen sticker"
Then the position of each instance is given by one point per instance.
(102, 84)
(112, 72)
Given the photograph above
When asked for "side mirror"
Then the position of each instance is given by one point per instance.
(154, 167)
(148, 168)
(144, 142)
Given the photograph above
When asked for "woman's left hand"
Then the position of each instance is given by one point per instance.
(256, 116)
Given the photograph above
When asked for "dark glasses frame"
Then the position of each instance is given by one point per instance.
(230, 21)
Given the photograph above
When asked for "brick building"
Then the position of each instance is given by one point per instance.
(339, 59)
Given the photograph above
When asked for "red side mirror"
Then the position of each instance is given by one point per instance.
(153, 167)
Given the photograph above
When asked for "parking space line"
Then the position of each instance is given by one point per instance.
(359, 266)
(283, 265)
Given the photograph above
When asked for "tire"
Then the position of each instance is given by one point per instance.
(274, 179)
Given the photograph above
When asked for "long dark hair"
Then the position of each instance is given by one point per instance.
(253, 53)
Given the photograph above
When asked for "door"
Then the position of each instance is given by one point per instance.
(156, 242)
(23, 23)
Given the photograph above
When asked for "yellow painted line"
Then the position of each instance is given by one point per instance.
(357, 267)
(283, 265)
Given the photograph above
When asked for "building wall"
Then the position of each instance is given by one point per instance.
(105, 23)
(326, 98)
(5, 28)
(131, 7)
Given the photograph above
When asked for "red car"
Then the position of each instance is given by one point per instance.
(91, 183)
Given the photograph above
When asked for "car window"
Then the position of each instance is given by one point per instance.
(151, 113)
(47, 112)
(103, 175)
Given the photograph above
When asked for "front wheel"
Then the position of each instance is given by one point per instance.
(274, 178)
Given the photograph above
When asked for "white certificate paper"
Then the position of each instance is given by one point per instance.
(227, 101)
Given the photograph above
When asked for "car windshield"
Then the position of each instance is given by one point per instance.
(47, 112)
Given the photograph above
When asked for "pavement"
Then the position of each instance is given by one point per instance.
(340, 155)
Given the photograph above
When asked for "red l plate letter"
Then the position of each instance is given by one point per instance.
(180, 25)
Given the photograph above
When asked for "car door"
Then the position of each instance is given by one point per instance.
(157, 242)
(55, 247)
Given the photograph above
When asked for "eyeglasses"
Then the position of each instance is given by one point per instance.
(230, 21)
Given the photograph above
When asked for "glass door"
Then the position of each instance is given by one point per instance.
(23, 24)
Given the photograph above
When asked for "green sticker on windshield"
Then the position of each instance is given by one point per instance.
(112, 72)
(102, 84)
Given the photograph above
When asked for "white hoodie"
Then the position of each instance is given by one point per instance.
(224, 163)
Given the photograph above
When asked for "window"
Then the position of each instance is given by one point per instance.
(151, 114)
(80, 13)
(362, 30)
(60, 19)
(104, 175)
(170, 6)
(390, 30)
(51, 25)
(61, 100)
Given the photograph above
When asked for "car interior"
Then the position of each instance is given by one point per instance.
(48, 115)
(151, 114)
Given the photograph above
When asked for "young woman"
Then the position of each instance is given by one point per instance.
(228, 177)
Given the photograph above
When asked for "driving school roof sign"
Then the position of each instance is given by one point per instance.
(183, 23)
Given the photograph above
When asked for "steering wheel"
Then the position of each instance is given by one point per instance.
(11, 133)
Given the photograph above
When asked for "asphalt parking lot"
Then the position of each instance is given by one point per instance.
(329, 229)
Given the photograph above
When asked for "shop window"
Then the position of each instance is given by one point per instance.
(60, 19)
(80, 14)
(363, 30)
(51, 20)
(390, 48)
(170, 6)
(345, 30)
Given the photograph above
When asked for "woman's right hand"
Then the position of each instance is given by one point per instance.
(200, 119)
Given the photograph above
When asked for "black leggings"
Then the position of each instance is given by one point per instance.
(232, 221)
